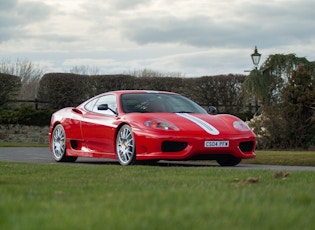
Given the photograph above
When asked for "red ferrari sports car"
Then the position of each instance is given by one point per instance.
(140, 125)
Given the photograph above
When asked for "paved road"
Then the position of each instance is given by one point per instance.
(43, 155)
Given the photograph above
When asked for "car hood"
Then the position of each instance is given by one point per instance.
(194, 123)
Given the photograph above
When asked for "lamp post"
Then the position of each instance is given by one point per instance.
(255, 57)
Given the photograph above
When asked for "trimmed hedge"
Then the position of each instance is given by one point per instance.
(9, 87)
(103, 83)
(26, 115)
(63, 89)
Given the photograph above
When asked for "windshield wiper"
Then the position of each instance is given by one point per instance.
(184, 112)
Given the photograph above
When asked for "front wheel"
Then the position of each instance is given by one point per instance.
(59, 145)
(125, 146)
(228, 161)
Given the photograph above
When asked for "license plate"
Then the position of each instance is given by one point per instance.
(216, 144)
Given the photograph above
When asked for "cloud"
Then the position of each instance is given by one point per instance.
(131, 4)
(198, 31)
(275, 24)
(188, 36)
(17, 16)
(7, 5)
(228, 24)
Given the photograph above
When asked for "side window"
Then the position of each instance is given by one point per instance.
(89, 106)
(110, 100)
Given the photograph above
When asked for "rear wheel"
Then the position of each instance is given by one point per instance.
(125, 146)
(228, 161)
(59, 145)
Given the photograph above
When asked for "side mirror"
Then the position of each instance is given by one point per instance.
(212, 110)
(102, 107)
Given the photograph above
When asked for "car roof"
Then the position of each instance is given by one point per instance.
(138, 91)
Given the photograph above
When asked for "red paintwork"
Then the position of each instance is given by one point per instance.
(95, 133)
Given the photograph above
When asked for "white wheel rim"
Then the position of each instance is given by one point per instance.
(58, 142)
(125, 145)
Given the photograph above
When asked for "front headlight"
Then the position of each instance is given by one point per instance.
(161, 125)
(241, 126)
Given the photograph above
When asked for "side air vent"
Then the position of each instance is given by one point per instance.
(74, 144)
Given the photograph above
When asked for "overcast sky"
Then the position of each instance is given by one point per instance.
(191, 37)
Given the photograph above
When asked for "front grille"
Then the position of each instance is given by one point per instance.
(173, 146)
(246, 146)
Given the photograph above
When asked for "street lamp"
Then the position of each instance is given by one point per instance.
(255, 57)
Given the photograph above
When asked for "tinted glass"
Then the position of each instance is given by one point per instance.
(110, 100)
(158, 102)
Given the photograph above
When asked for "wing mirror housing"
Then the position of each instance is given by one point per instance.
(212, 110)
(104, 107)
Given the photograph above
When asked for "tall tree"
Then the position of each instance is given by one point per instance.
(85, 70)
(267, 83)
(297, 106)
(284, 86)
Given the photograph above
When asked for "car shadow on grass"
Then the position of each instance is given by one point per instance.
(161, 163)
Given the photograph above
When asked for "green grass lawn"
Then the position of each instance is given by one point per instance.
(109, 196)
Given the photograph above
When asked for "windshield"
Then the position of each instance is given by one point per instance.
(158, 102)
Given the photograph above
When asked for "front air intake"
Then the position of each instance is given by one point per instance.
(246, 146)
(173, 146)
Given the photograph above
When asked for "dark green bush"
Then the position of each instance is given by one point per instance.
(104, 83)
(63, 89)
(173, 84)
(26, 115)
(9, 87)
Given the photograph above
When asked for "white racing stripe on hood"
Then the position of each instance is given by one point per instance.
(204, 125)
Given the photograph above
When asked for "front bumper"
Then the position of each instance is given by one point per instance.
(174, 146)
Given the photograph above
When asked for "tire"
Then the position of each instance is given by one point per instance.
(125, 146)
(59, 143)
(229, 161)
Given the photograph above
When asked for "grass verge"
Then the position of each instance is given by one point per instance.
(299, 158)
(85, 196)
(13, 144)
